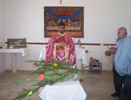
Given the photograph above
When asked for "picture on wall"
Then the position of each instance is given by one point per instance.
(71, 16)
(16, 43)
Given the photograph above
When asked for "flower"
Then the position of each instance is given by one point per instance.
(70, 75)
(46, 67)
(75, 76)
(55, 64)
(30, 93)
(54, 76)
(66, 71)
(50, 84)
(41, 77)
(73, 66)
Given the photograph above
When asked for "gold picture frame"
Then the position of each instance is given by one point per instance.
(16, 43)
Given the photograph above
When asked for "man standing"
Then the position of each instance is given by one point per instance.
(123, 67)
(61, 47)
(118, 80)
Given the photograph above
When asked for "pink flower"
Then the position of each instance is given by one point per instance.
(70, 75)
(41, 77)
(45, 67)
(66, 71)
(50, 84)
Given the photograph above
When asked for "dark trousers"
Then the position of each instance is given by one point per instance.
(126, 89)
(118, 81)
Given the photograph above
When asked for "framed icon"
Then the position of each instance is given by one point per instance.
(71, 16)
(16, 43)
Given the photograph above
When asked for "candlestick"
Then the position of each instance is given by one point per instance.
(60, 1)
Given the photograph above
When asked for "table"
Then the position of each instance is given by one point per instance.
(68, 90)
(80, 55)
(42, 54)
(13, 56)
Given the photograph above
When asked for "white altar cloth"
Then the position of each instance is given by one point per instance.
(13, 53)
(68, 90)
(81, 54)
(21, 50)
(42, 54)
(81, 58)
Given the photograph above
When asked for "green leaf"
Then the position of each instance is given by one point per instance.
(82, 77)
(18, 81)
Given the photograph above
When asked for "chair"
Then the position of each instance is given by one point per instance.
(95, 65)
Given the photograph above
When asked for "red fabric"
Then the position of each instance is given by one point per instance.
(60, 56)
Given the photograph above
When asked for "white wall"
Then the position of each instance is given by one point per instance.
(25, 18)
(2, 56)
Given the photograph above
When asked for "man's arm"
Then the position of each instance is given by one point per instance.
(113, 50)
(72, 55)
(50, 48)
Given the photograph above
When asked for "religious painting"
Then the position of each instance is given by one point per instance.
(16, 43)
(71, 16)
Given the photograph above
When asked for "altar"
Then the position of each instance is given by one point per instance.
(67, 90)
